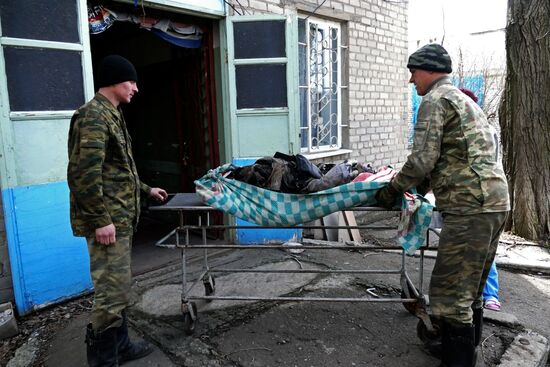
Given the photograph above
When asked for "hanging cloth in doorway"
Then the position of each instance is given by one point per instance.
(178, 34)
(99, 19)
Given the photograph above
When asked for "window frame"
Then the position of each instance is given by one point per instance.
(249, 128)
(326, 24)
(82, 47)
(268, 60)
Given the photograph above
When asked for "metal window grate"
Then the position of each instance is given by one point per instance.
(320, 84)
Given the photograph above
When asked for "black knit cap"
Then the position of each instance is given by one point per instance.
(432, 57)
(115, 69)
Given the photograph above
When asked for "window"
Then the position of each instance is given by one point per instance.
(44, 56)
(320, 48)
(260, 64)
(41, 20)
(261, 85)
(43, 79)
(260, 39)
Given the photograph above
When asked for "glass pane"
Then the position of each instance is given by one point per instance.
(323, 84)
(334, 58)
(43, 79)
(302, 60)
(314, 116)
(302, 30)
(303, 118)
(303, 138)
(334, 92)
(303, 107)
(260, 39)
(261, 86)
(42, 20)
(334, 122)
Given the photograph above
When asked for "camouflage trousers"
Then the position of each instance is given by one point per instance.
(467, 248)
(112, 278)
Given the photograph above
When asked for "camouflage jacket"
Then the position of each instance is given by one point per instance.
(456, 148)
(102, 176)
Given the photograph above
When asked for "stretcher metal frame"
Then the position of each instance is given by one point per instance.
(412, 297)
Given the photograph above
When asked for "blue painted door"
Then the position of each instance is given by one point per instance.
(45, 74)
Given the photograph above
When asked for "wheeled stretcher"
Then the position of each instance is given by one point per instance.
(412, 295)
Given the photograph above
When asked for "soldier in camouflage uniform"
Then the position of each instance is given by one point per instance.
(456, 151)
(105, 203)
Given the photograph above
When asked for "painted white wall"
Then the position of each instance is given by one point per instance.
(203, 5)
(41, 151)
(209, 4)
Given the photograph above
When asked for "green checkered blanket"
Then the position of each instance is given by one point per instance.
(269, 208)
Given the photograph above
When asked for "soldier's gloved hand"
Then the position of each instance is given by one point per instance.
(387, 196)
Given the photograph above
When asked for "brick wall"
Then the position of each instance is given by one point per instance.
(6, 287)
(377, 77)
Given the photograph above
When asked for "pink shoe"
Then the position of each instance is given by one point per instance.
(492, 304)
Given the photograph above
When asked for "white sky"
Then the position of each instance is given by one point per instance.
(461, 17)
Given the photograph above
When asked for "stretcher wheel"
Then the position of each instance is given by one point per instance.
(410, 306)
(189, 320)
(209, 287)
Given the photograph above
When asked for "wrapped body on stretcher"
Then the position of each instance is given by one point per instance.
(266, 207)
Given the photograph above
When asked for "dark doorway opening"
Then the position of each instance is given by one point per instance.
(171, 120)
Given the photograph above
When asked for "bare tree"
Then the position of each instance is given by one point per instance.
(491, 72)
(525, 117)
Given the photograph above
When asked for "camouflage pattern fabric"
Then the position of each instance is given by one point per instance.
(431, 57)
(467, 248)
(456, 148)
(102, 175)
(112, 278)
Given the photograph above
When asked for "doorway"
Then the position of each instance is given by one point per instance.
(171, 120)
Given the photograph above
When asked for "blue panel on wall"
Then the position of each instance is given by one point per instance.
(474, 83)
(259, 236)
(415, 102)
(48, 263)
(245, 161)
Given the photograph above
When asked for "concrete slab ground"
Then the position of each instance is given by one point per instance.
(523, 257)
(518, 257)
(527, 349)
(309, 333)
(303, 333)
(69, 350)
(236, 284)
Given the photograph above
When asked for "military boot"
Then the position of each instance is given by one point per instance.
(478, 335)
(458, 349)
(478, 325)
(431, 340)
(128, 350)
(101, 348)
